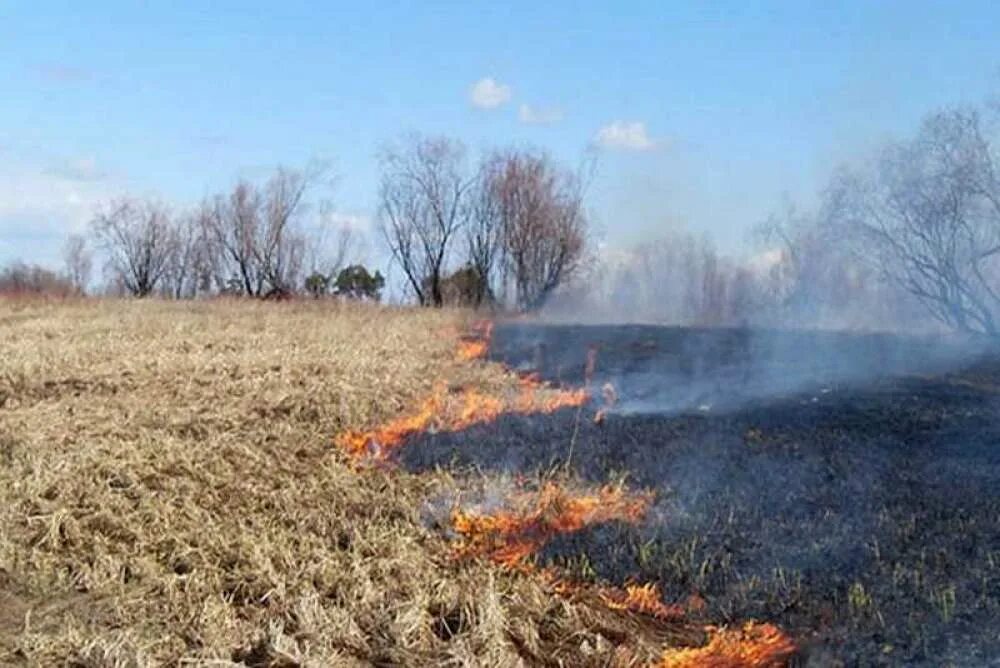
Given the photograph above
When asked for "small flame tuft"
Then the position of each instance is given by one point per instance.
(753, 646)
(644, 599)
(477, 343)
(509, 537)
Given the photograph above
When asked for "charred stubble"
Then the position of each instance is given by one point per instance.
(859, 508)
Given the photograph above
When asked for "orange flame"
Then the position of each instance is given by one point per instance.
(471, 350)
(610, 398)
(378, 443)
(477, 343)
(753, 646)
(475, 407)
(644, 599)
(456, 412)
(509, 537)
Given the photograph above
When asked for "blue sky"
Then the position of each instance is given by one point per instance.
(702, 114)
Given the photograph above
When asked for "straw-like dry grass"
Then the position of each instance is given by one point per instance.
(170, 494)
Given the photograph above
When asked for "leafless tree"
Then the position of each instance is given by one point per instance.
(484, 233)
(78, 261)
(185, 269)
(139, 241)
(422, 208)
(928, 214)
(543, 223)
(252, 228)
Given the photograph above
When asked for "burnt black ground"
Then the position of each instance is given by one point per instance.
(845, 487)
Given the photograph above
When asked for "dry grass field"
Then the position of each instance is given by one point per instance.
(171, 494)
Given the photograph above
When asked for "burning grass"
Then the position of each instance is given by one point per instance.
(453, 410)
(476, 343)
(752, 646)
(510, 536)
(169, 494)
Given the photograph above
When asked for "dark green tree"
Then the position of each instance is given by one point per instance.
(317, 285)
(355, 282)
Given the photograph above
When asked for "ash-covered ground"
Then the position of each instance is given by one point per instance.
(846, 487)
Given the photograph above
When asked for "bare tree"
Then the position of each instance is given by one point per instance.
(181, 279)
(485, 229)
(421, 209)
(543, 224)
(138, 238)
(253, 231)
(78, 261)
(928, 214)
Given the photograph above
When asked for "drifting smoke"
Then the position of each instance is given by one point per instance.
(671, 370)
(682, 279)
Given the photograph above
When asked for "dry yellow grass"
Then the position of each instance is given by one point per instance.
(169, 494)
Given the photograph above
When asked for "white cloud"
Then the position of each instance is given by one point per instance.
(39, 208)
(539, 115)
(625, 136)
(488, 93)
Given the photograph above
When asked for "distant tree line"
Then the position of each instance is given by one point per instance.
(910, 232)
(249, 240)
(19, 278)
(507, 232)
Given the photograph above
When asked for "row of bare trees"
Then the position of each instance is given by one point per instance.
(250, 240)
(509, 231)
(515, 223)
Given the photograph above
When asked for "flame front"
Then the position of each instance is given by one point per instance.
(753, 646)
(509, 537)
(455, 411)
(380, 442)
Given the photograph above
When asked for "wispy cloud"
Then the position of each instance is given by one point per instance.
(539, 115)
(79, 169)
(356, 222)
(488, 93)
(211, 140)
(61, 73)
(625, 136)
